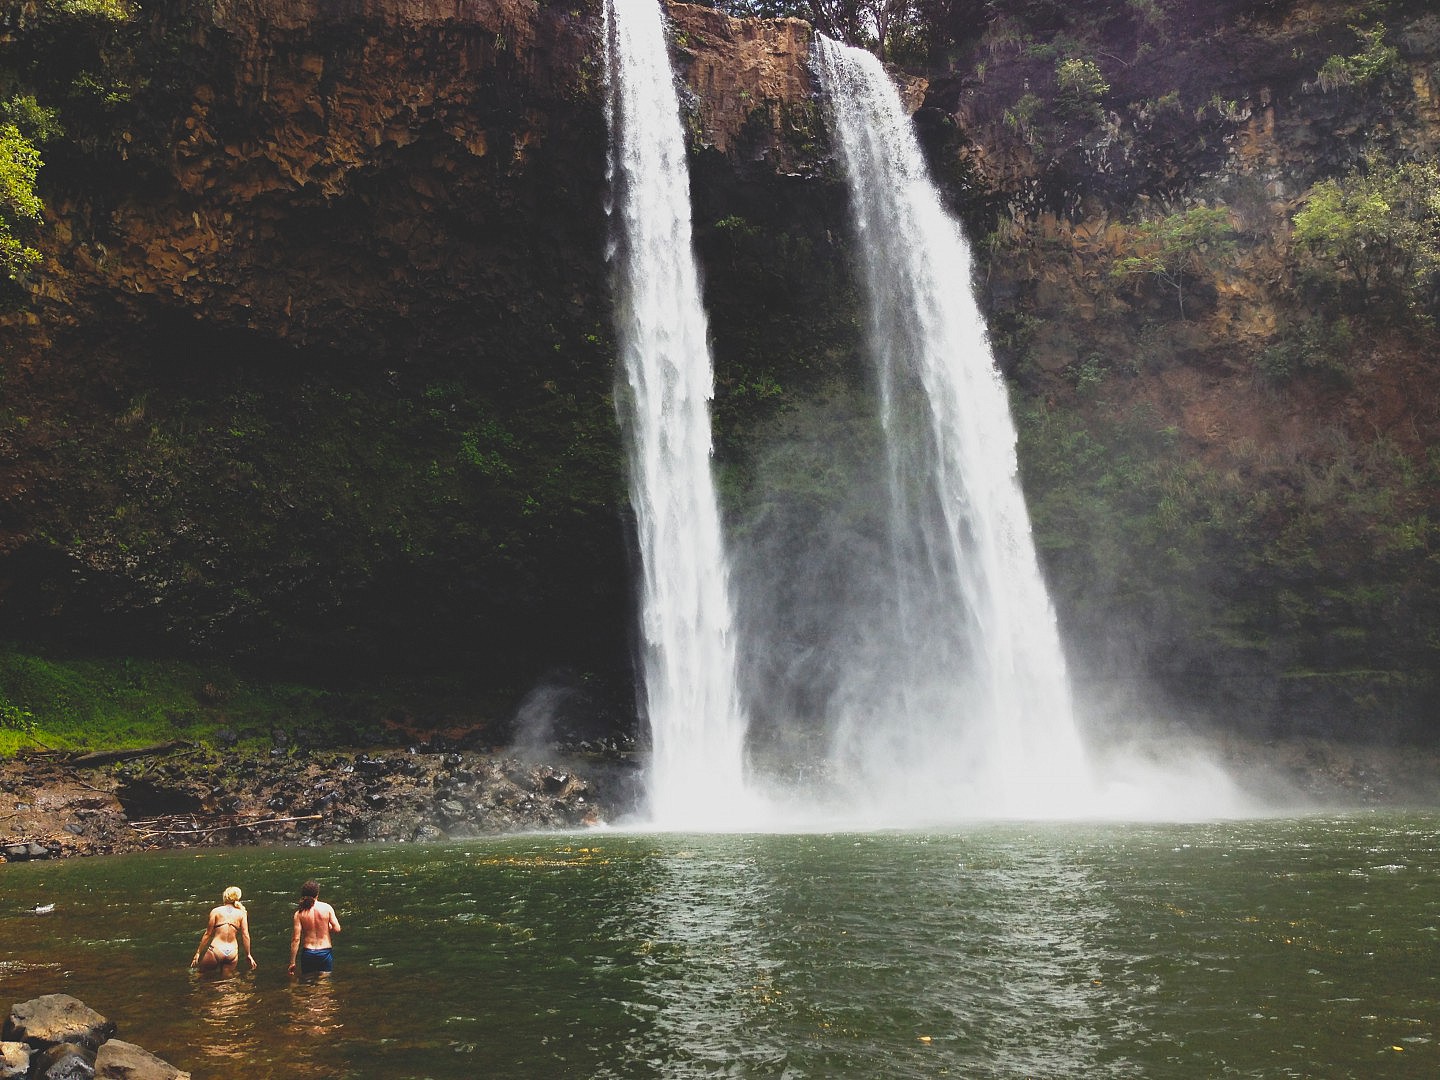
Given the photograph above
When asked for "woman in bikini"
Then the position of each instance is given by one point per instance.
(226, 932)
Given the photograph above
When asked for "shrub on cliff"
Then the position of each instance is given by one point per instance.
(1176, 248)
(19, 205)
(51, 52)
(1374, 234)
(1375, 61)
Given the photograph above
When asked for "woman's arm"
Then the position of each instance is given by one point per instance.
(205, 936)
(245, 939)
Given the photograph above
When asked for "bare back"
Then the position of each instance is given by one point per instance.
(226, 923)
(315, 925)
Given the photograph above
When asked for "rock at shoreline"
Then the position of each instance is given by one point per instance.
(119, 1060)
(195, 797)
(63, 1061)
(58, 1037)
(14, 1060)
(57, 1018)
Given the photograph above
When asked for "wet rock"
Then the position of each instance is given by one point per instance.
(63, 1061)
(118, 1060)
(325, 797)
(14, 1060)
(57, 1018)
(58, 1037)
(150, 797)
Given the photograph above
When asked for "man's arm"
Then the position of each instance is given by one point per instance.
(294, 941)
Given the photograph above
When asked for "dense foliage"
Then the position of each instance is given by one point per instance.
(1378, 229)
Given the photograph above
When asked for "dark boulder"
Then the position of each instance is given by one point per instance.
(64, 1061)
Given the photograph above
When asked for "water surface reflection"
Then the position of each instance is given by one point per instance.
(1253, 949)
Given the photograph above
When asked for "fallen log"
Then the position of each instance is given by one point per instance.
(109, 757)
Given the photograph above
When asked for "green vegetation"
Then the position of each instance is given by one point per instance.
(1295, 562)
(52, 63)
(1375, 61)
(1176, 248)
(124, 703)
(25, 125)
(1377, 228)
(1021, 119)
(1080, 88)
(19, 205)
(1315, 345)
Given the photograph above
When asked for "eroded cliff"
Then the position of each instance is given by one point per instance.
(316, 375)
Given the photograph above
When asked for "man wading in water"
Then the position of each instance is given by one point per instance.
(315, 921)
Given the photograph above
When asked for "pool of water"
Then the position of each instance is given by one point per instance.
(1277, 948)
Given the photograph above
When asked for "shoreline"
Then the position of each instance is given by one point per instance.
(182, 796)
(54, 805)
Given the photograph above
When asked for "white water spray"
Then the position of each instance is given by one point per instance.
(957, 701)
(688, 665)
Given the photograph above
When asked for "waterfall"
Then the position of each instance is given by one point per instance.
(954, 699)
(687, 664)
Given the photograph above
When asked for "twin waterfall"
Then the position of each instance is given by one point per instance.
(954, 702)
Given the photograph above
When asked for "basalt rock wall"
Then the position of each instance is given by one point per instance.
(317, 373)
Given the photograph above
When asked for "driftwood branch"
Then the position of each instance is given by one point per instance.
(183, 830)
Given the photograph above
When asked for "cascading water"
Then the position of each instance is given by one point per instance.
(954, 699)
(688, 665)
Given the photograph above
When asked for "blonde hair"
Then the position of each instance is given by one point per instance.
(232, 896)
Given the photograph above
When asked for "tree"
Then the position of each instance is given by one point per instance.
(52, 49)
(1175, 248)
(1080, 86)
(19, 205)
(1379, 226)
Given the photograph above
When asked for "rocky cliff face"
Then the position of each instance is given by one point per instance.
(317, 372)
(318, 369)
(316, 375)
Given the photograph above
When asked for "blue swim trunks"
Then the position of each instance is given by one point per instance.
(316, 960)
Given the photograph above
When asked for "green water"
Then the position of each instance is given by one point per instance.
(1296, 948)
